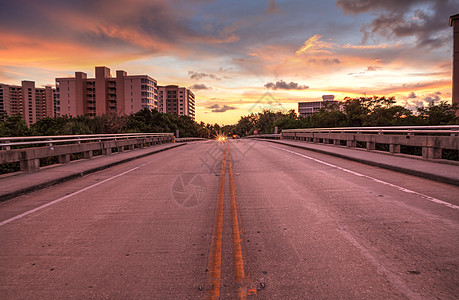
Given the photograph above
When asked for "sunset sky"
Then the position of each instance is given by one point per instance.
(239, 56)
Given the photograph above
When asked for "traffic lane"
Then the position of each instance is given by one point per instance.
(126, 238)
(438, 190)
(315, 231)
(29, 201)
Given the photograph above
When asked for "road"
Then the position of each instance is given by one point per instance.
(243, 219)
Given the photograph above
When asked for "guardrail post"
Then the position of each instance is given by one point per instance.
(106, 151)
(351, 143)
(88, 154)
(27, 163)
(6, 147)
(430, 150)
(30, 165)
(64, 159)
(394, 146)
(371, 145)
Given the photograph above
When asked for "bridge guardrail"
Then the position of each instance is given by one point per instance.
(29, 150)
(265, 136)
(188, 139)
(433, 140)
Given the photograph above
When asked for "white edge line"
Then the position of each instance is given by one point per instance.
(66, 196)
(429, 198)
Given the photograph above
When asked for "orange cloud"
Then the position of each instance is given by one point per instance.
(314, 46)
(370, 47)
(26, 50)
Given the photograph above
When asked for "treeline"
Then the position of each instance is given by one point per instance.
(143, 121)
(355, 112)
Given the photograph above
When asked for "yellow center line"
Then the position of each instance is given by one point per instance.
(216, 252)
(237, 249)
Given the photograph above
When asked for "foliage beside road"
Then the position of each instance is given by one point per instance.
(374, 111)
(143, 121)
(356, 112)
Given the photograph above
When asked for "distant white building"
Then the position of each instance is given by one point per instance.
(176, 100)
(308, 108)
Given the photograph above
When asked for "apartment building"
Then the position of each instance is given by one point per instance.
(308, 108)
(122, 94)
(30, 102)
(176, 100)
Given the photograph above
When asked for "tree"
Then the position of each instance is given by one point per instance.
(13, 126)
(441, 114)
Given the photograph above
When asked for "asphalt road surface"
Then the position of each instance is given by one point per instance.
(243, 219)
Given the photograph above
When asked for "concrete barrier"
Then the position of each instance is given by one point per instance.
(189, 139)
(29, 158)
(265, 136)
(432, 141)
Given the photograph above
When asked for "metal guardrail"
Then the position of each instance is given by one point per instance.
(265, 136)
(443, 129)
(29, 150)
(433, 140)
(188, 139)
(7, 142)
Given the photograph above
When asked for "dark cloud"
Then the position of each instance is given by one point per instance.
(373, 68)
(125, 25)
(325, 61)
(198, 76)
(198, 86)
(361, 6)
(412, 95)
(423, 19)
(217, 108)
(273, 8)
(434, 97)
(282, 85)
(369, 69)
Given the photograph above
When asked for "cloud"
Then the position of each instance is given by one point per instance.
(397, 89)
(6, 75)
(273, 8)
(198, 86)
(198, 76)
(373, 68)
(120, 30)
(369, 69)
(372, 47)
(423, 19)
(325, 61)
(413, 102)
(282, 85)
(217, 108)
(314, 46)
(412, 95)
(434, 97)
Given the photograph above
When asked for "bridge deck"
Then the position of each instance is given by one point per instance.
(231, 220)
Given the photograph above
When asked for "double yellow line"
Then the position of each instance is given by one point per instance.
(216, 251)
